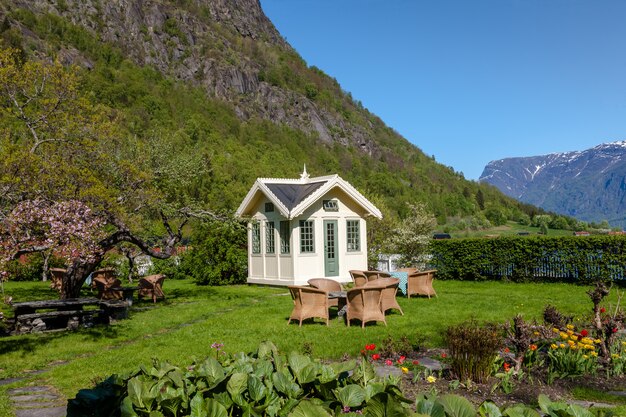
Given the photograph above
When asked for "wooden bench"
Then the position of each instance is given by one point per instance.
(47, 315)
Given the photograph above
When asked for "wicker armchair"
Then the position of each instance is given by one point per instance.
(358, 277)
(373, 275)
(407, 270)
(421, 283)
(308, 302)
(109, 288)
(388, 300)
(56, 278)
(151, 286)
(364, 304)
(328, 285)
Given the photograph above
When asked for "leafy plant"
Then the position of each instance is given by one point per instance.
(265, 383)
(473, 348)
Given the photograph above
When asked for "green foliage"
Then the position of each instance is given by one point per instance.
(218, 255)
(473, 349)
(265, 383)
(531, 258)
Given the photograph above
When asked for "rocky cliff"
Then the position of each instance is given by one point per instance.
(589, 185)
(229, 47)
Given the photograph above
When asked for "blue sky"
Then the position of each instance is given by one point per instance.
(473, 81)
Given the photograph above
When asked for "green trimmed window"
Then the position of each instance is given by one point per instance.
(306, 237)
(256, 238)
(353, 235)
(270, 237)
(285, 234)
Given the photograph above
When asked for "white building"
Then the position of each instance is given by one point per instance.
(305, 228)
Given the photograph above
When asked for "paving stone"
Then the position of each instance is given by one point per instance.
(33, 397)
(430, 363)
(27, 390)
(9, 381)
(618, 393)
(384, 371)
(42, 412)
(37, 404)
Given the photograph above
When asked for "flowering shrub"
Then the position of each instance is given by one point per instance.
(572, 354)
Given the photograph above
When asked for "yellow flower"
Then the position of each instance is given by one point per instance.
(573, 337)
(570, 332)
(555, 330)
(585, 357)
(562, 345)
(594, 354)
(405, 370)
(553, 346)
(615, 356)
(564, 335)
(573, 347)
(431, 379)
(597, 341)
(536, 333)
(624, 343)
(571, 342)
(570, 327)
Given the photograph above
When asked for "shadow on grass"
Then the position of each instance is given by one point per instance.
(30, 342)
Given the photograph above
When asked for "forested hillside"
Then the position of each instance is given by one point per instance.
(215, 87)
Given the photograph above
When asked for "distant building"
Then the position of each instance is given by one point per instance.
(305, 228)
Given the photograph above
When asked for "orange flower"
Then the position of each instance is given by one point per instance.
(506, 366)
(532, 347)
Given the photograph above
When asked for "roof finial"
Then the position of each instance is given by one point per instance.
(305, 175)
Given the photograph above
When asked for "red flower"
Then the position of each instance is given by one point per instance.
(370, 347)
(506, 350)
(416, 362)
(614, 329)
(401, 360)
(532, 347)
(443, 355)
(375, 356)
(388, 362)
(584, 333)
(602, 310)
(506, 367)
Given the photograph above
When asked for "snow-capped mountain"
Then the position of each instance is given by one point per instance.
(589, 185)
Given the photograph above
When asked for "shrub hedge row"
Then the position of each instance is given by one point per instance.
(524, 259)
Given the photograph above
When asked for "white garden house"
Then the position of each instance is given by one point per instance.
(305, 228)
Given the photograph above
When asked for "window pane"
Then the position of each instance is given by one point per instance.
(354, 236)
(256, 238)
(269, 237)
(306, 236)
(285, 237)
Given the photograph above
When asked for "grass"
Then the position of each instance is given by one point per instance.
(184, 326)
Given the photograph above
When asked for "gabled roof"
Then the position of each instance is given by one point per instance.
(292, 197)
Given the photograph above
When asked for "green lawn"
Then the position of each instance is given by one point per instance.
(184, 326)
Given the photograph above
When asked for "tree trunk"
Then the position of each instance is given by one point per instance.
(46, 258)
(75, 277)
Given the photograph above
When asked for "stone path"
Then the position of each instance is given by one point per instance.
(37, 401)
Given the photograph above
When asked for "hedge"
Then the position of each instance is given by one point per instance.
(569, 258)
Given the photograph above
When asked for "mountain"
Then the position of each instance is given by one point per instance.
(589, 185)
(216, 79)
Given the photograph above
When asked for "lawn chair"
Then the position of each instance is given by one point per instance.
(374, 274)
(328, 285)
(56, 278)
(358, 277)
(421, 283)
(151, 286)
(108, 287)
(388, 300)
(364, 303)
(308, 302)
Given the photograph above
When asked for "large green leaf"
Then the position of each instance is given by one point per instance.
(489, 409)
(136, 392)
(263, 368)
(520, 411)
(550, 407)
(307, 408)
(198, 407)
(284, 384)
(126, 408)
(212, 370)
(215, 409)
(326, 374)
(237, 384)
(298, 363)
(267, 349)
(256, 388)
(351, 395)
(575, 410)
(457, 406)
(385, 405)
(429, 407)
